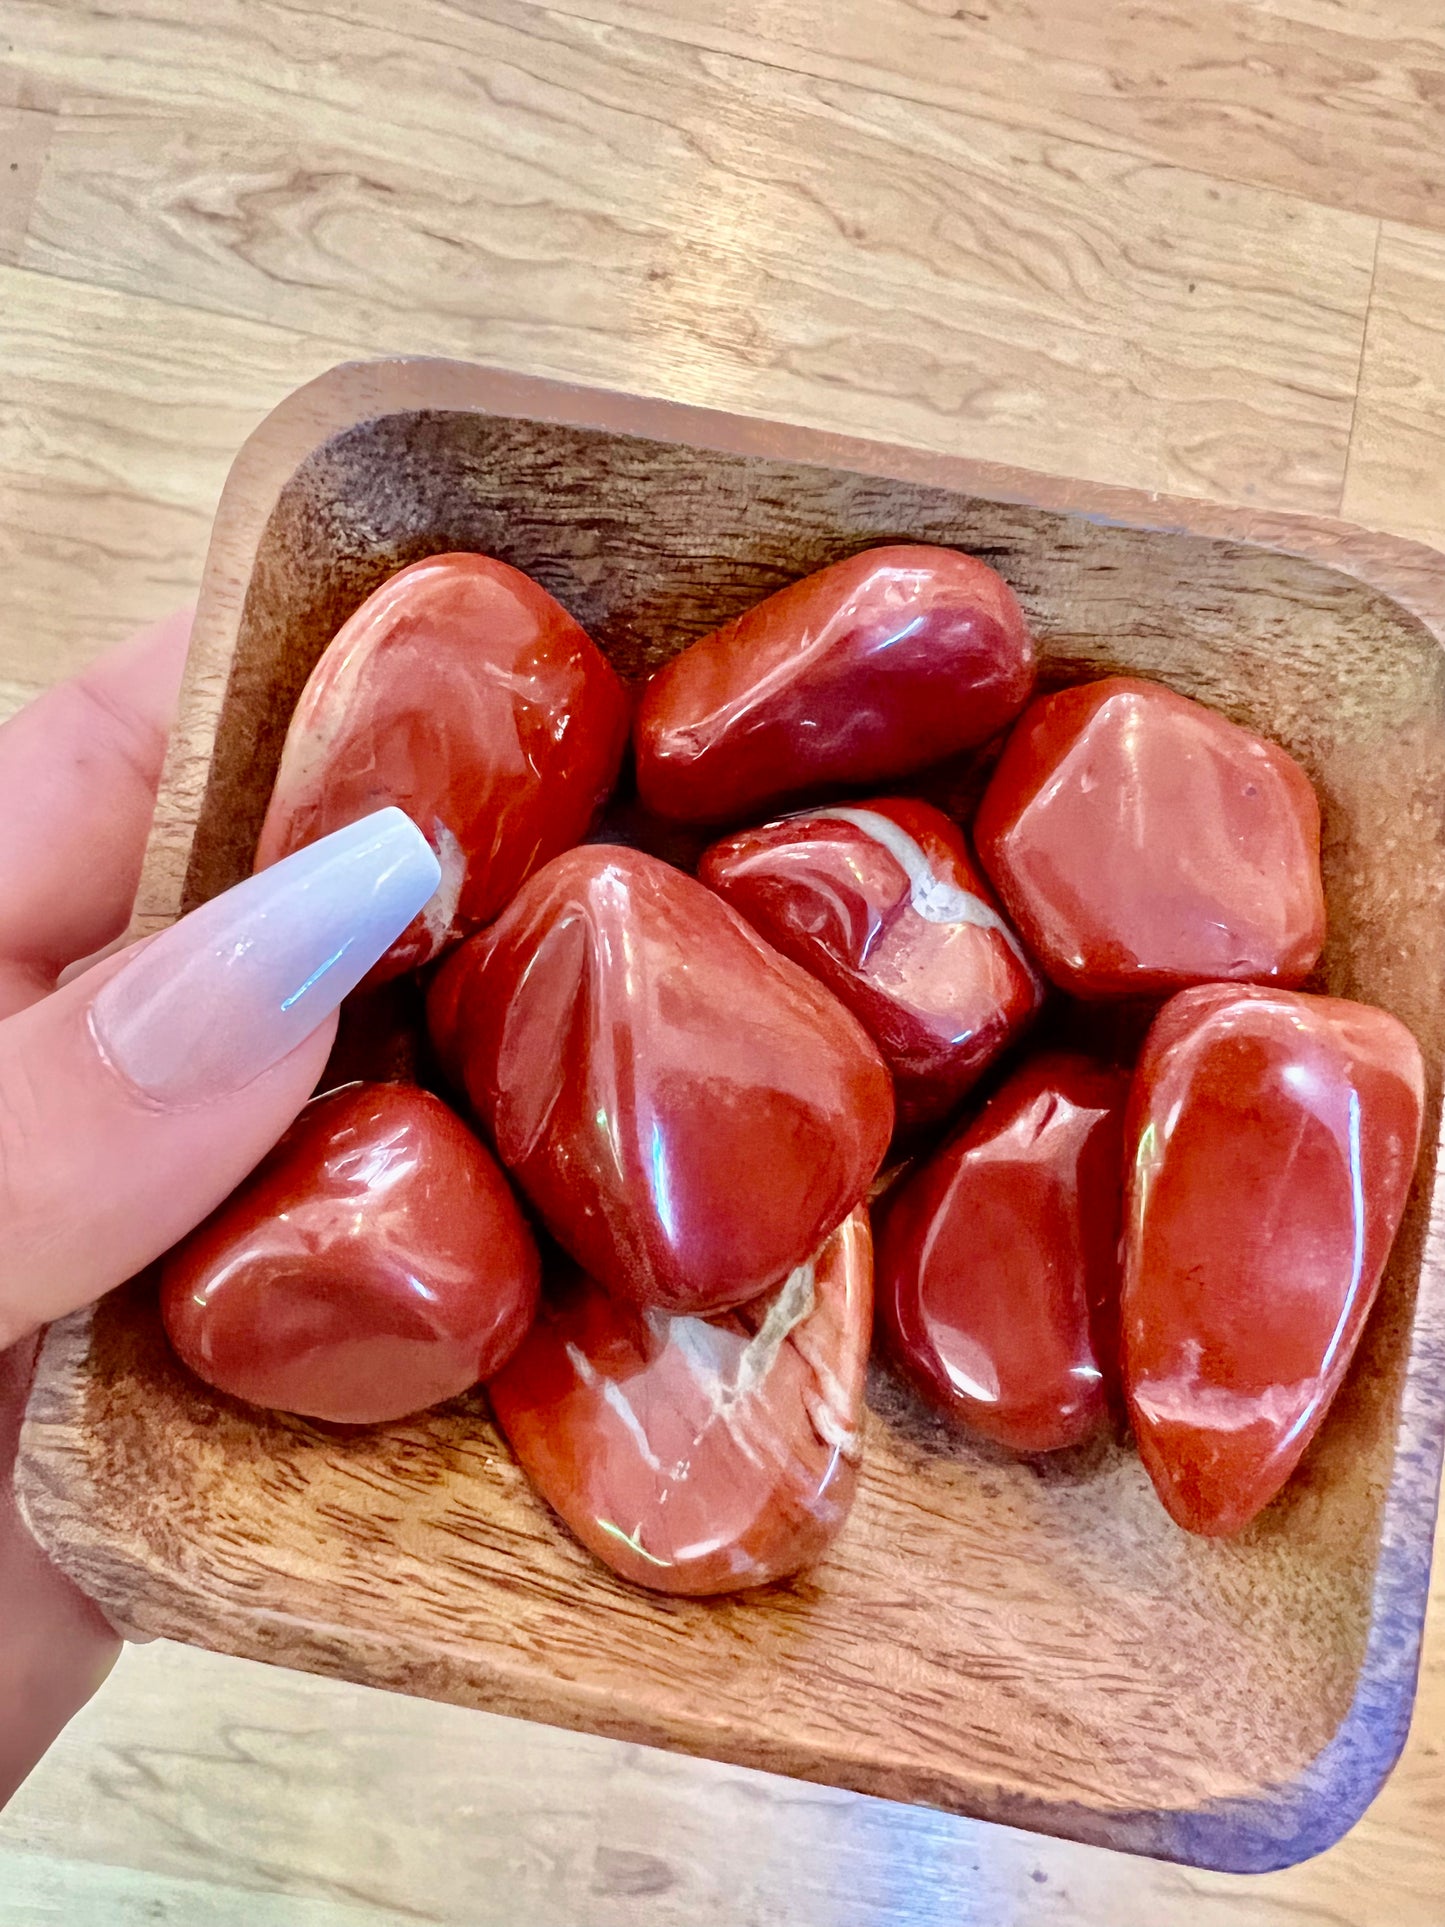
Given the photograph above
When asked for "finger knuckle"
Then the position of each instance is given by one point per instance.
(102, 729)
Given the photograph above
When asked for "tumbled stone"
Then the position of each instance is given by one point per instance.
(375, 1263)
(1272, 1139)
(688, 1112)
(698, 1455)
(881, 902)
(998, 1258)
(1142, 843)
(466, 695)
(867, 670)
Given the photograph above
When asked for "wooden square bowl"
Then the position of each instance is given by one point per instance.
(1028, 1641)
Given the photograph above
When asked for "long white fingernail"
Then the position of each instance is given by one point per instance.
(224, 994)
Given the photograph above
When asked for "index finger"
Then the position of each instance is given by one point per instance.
(78, 774)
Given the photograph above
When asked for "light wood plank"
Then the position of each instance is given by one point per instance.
(21, 86)
(1335, 100)
(44, 1892)
(121, 419)
(1396, 473)
(15, 695)
(615, 207)
(24, 138)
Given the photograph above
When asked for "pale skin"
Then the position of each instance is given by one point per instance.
(95, 1182)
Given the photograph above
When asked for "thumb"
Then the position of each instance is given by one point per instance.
(136, 1098)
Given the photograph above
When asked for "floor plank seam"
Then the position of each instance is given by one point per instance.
(1360, 371)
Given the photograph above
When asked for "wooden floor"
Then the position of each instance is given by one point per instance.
(1189, 247)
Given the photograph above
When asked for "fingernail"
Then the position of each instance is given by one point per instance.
(224, 994)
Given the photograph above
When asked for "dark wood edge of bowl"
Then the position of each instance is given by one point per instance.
(1276, 1828)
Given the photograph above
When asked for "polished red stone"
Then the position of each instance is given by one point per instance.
(374, 1264)
(865, 671)
(1142, 843)
(998, 1259)
(689, 1113)
(881, 902)
(463, 693)
(1273, 1138)
(698, 1455)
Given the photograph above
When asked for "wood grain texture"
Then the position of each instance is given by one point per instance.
(1339, 101)
(616, 207)
(119, 418)
(1396, 470)
(24, 139)
(236, 1786)
(1037, 1646)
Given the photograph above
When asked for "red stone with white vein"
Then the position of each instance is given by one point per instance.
(464, 694)
(1273, 1138)
(698, 1455)
(882, 903)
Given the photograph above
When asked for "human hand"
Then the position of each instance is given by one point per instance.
(138, 1094)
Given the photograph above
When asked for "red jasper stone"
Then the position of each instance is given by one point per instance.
(1273, 1138)
(375, 1263)
(998, 1259)
(463, 693)
(1142, 843)
(689, 1113)
(874, 667)
(698, 1455)
(881, 902)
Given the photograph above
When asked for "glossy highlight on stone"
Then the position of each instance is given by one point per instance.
(881, 902)
(1142, 843)
(689, 1113)
(865, 671)
(374, 1264)
(465, 694)
(998, 1258)
(698, 1455)
(1272, 1140)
